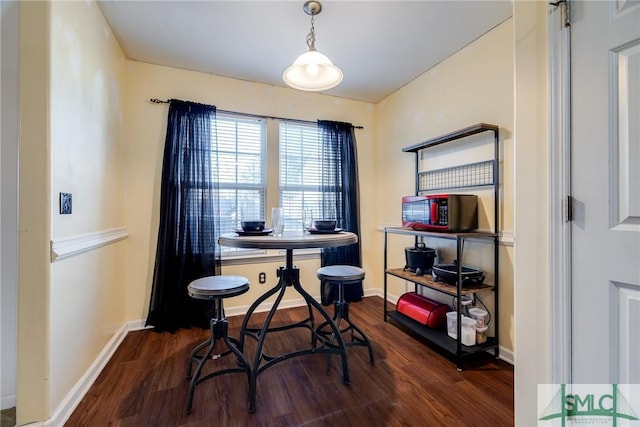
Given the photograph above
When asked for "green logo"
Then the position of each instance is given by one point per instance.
(587, 404)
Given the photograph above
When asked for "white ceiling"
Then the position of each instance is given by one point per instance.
(379, 45)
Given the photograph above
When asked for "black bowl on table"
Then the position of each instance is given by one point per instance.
(324, 225)
(252, 225)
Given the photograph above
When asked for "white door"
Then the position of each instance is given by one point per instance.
(605, 61)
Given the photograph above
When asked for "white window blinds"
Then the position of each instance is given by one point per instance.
(300, 171)
(240, 154)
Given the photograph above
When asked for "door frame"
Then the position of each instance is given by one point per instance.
(560, 259)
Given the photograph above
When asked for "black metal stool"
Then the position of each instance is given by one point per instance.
(216, 288)
(344, 275)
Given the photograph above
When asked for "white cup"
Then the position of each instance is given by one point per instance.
(277, 221)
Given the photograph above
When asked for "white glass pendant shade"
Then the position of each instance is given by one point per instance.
(312, 71)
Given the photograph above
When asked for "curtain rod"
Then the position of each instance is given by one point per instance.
(160, 101)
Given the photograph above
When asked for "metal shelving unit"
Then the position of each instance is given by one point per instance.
(460, 176)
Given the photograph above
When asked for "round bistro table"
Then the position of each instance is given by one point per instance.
(289, 276)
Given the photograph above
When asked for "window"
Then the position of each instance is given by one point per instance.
(246, 188)
(300, 168)
(240, 157)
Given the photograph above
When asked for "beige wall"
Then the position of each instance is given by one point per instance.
(145, 125)
(79, 302)
(475, 85)
(532, 303)
(87, 160)
(34, 221)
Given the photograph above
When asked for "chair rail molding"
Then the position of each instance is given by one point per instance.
(66, 247)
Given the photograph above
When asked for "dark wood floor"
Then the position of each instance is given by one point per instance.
(8, 417)
(410, 385)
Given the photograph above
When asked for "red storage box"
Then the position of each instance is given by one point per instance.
(422, 309)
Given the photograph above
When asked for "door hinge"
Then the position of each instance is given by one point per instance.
(569, 208)
(564, 10)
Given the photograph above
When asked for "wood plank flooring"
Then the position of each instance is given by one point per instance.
(8, 417)
(410, 385)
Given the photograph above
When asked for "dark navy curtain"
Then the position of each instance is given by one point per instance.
(188, 229)
(340, 198)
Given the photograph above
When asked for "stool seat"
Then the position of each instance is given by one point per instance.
(218, 287)
(341, 273)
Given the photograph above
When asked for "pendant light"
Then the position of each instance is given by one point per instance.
(312, 71)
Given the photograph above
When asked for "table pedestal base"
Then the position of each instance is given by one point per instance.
(289, 276)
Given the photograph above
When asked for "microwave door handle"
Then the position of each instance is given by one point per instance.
(434, 213)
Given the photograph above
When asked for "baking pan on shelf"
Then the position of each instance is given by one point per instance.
(448, 273)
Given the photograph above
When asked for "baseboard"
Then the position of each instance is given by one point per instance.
(137, 325)
(8, 401)
(241, 310)
(80, 389)
(507, 356)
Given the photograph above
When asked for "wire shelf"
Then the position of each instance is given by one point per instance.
(478, 174)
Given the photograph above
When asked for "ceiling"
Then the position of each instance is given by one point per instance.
(379, 45)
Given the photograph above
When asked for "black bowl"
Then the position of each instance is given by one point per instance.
(324, 225)
(252, 225)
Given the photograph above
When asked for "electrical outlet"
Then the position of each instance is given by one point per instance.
(65, 203)
(262, 278)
